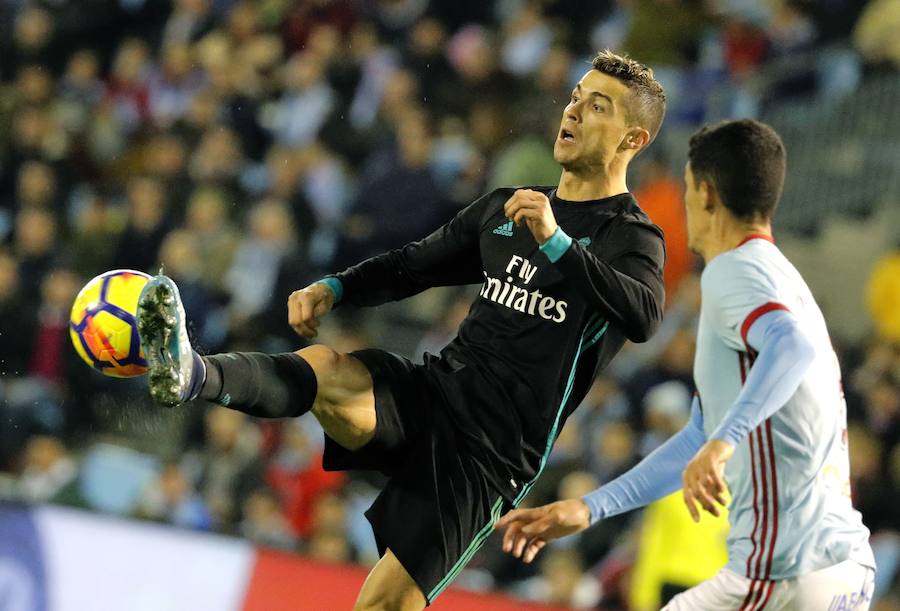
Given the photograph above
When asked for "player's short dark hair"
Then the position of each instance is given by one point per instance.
(745, 161)
(647, 106)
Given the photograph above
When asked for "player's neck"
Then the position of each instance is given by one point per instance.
(577, 187)
(732, 234)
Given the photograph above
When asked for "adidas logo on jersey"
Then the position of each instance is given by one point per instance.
(506, 229)
(584, 242)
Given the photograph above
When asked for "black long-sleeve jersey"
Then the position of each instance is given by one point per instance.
(539, 332)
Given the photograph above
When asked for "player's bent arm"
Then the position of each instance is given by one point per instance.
(658, 475)
(785, 354)
(449, 256)
(629, 290)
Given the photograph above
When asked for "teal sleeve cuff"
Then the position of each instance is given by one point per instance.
(557, 245)
(336, 286)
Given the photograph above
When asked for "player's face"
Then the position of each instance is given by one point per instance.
(696, 210)
(593, 124)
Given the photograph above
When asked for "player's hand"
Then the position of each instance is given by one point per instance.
(532, 208)
(307, 305)
(529, 530)
(704, 480)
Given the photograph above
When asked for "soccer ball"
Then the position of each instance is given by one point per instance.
(103, 326)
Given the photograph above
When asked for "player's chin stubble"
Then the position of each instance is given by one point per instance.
(567, 159)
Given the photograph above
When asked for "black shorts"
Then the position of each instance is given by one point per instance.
(438, 508)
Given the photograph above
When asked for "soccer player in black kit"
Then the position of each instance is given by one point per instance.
(568, 273)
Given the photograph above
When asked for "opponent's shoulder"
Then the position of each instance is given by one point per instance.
(737, 272)
(754, 258)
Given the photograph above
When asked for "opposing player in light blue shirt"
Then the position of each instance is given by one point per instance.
(769, 419)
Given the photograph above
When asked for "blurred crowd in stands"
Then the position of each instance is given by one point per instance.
(250, 146)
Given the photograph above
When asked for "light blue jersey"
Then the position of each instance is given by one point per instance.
(791, 512)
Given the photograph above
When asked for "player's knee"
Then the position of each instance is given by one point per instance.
(339, 375)
(325, 361)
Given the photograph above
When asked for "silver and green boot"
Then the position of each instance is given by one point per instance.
(162, 327)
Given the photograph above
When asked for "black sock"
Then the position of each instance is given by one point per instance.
(261, 385)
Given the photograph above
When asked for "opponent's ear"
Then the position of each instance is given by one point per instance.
(709, 195)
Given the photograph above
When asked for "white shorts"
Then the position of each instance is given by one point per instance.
(847, 586)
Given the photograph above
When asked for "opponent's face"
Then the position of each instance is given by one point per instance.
(696, 205)
(593, 125)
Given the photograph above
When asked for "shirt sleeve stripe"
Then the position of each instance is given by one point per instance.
(753, 316)
(557, 245)
(336, 286)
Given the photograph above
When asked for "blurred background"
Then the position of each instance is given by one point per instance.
(251, 146)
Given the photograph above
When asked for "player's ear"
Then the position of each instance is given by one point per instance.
(636, 138)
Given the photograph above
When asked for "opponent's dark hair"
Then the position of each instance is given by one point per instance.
(647, 106)
(745, 161)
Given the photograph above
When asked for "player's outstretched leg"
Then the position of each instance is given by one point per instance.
(262, 385)
(336, 387)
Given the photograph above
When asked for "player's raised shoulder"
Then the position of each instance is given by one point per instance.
(632, 214)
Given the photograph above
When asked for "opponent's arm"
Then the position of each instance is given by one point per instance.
(659, 474)
(628, 291)
(450, 256)
(785, 354)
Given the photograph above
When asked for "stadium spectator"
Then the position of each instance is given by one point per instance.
(295, 473)
(264, 522)
(139, 243)
(674, 553)
(33, 40)
(36, 232)
(215, 236)
(189, 20)
(16, 320)
(126, 89)
(563, 581)
(269, 251)
(328, 538)
(874, 36)
(399, 197)
(48, 469)
(179, 255)
(227, 469)
(307, 101)
(36, 186)
(94, 230)
(172, 499)
(667, 407)
(883, 295)
(51, 351)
